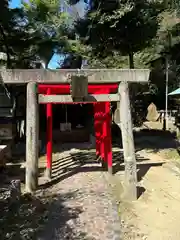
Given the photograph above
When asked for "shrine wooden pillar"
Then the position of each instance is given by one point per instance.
(97, 129)
(32, 137)
(107, 137)
(102, 121)
(49, 129)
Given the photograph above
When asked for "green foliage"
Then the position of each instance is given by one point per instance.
(13, 38)
(49, 27)
(32, 33)
(118, 26)
(113, 34)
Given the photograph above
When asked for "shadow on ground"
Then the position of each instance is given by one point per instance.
(155, 140)
(142, 170)
(85, 162)
(13, 172)
(149, 139)
(44, 217)
(47, 217)
(152, 139)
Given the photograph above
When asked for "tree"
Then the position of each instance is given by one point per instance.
(115, 26)
(33, 33)
(49, 27)
(6, 27)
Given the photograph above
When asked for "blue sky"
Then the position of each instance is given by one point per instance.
(56, 58)
(15, 3)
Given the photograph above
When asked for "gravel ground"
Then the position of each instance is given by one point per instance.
(84, 207)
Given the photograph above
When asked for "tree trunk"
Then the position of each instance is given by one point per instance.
(131, 60)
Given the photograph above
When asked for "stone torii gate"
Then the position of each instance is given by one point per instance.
(84, 86)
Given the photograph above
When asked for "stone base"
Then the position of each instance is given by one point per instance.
(104, 165)
(110, 170)
(48, 173)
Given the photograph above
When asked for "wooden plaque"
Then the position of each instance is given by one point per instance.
(79, 87)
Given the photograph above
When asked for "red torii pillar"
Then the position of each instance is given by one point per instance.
(102, 124)
(102, 121)
(49, 136)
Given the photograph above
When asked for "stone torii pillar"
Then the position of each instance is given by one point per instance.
(130, 179)
(32, 137)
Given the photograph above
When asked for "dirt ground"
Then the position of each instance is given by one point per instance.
(96, 197)
(85, 208)
(83, 202)
(156, 213)
(76, 204)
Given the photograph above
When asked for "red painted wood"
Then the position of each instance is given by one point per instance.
(103, 131)
(97, 128)
(98, 118)
(49, 132)
(65, 88)
(102, 120)
(107, 135)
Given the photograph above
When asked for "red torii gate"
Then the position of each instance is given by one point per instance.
(102, 119)
(103, 83)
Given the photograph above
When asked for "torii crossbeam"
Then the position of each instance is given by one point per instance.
(36, 79)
